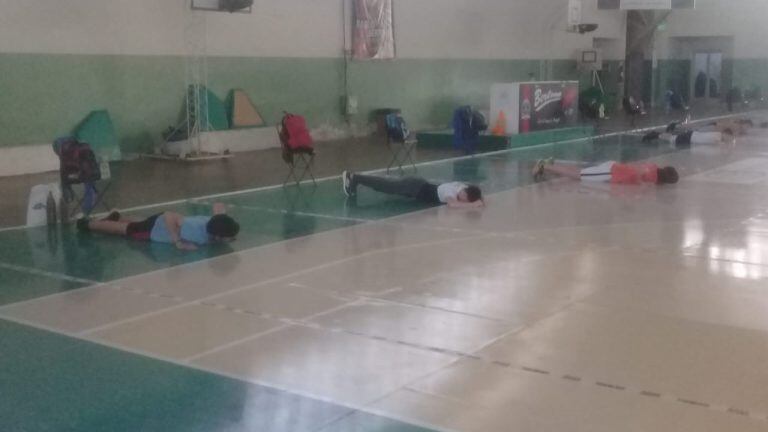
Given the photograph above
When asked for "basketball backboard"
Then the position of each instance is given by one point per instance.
(214, 6)
(646, 4)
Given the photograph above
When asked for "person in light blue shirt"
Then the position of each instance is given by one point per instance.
(185, 232)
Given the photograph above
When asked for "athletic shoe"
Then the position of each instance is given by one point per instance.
(82, 224)
(652, 136)
(346, 178)
(538, 169)
(113, 216)
(671, 127)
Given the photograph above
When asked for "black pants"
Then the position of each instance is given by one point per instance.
(410, 187)
(684, 139)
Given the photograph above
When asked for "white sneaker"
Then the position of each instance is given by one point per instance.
(346, 179)
(538, 170)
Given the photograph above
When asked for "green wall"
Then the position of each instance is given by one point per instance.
(750, 72)
(744, 73)
(43, 96)
(673, 74)
(429, 90)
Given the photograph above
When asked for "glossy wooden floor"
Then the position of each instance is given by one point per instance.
(561, 306)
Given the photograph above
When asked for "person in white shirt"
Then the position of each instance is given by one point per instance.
(687, 139)
(454, 194)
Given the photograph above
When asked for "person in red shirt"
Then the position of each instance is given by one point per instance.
(611, 172)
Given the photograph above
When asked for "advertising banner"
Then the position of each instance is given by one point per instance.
(546, 106)
(373, 35)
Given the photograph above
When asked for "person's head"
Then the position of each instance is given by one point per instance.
(667, 175)
(470, 194)
(222, 228)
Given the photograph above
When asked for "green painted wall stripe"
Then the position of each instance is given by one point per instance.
(43, 96)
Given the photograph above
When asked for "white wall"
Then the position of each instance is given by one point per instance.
(743, 20)
(493, 29)
(156, 27)
(483, 29)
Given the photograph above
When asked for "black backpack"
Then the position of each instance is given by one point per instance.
(78, 163)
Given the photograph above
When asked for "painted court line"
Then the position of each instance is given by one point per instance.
(605, 385)
(286, 321)
(50, 275)
(297, 213)
(319, 398)
(384, 221)
(427, 163)
(192, 200)
(565, 377)
(273, 280)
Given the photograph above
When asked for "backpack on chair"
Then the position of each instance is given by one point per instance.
(397, 129)
(77, 161)
(294, 133)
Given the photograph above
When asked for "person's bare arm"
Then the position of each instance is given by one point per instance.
(173, 223)
(456, 204)
(219, 208)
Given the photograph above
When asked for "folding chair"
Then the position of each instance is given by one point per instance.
(400, 143)
(299, 161)
(78, 166)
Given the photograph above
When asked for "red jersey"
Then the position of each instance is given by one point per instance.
(634, 173)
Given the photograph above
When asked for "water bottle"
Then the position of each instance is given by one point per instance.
(50, 209)
(104, 168)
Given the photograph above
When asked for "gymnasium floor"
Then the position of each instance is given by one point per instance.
(562, 306)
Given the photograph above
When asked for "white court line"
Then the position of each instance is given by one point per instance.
(273, 280)
(385, 220)
(427, 163)
(361, 407)
(293, 212)
(50, 275)
(246, 339)
(116, 282)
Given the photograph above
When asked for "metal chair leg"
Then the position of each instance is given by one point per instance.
(299, 170)
(402, 155)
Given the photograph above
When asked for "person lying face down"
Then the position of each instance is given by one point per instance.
(683, 139)
(185, 232)
(609, 172)
(453, 194)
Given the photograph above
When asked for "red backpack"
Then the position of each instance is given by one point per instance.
(294, 133)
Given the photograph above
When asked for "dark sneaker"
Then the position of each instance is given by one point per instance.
(671, 127)
(651, 136)
(113, 216)
(82, 224)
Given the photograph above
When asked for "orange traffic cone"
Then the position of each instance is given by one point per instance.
(501, 125)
